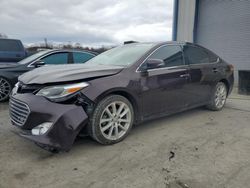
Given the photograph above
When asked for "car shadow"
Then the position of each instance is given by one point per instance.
(87, 142)
(167, 120)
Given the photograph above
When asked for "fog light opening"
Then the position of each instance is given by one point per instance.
(41, 129)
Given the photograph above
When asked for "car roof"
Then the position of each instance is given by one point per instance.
(9, 39)
(161, 43)
(69, 50)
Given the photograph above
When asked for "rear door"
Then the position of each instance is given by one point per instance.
(203, 70)
(82, 57)
(164, 89)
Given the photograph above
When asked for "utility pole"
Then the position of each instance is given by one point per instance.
(2, 35)
(46, 43)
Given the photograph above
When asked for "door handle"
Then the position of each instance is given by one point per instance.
(215, 70)
(218, 60)
(185, 75)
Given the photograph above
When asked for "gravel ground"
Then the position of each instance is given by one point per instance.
(195, 149)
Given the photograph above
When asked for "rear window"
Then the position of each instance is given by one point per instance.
(212, 57)
(80, 57)
(195, 55)
(10, 45)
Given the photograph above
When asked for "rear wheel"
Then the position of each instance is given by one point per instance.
(5, 89)
(219, 97)
(112, 120)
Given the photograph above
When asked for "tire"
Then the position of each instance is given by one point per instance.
(112, 120)
(5, 89)
(219, 97)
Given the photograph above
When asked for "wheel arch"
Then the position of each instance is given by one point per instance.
(226, 82)
(6, 96)
(10, 80)
(128, 95)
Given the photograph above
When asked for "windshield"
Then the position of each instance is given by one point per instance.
(121, 56)
(33, 57)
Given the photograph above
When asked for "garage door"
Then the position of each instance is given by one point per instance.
(224, 27)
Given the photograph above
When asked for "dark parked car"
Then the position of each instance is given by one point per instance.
(111, 92)
(11, 51)
(9, 72)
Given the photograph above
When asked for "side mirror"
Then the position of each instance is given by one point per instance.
(39, 63)
(151, 64)
(154, 63)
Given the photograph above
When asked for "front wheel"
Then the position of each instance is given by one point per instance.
(5, 89)
(219, 97)
(112, 120)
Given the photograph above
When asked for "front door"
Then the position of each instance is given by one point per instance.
(164, 88)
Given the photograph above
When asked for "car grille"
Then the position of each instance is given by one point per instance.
(19, 112)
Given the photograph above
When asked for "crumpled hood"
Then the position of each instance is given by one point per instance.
(66, 73)
(7, 65)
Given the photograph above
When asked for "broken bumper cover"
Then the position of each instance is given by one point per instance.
(67, 120)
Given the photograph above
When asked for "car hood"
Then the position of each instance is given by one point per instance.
(8, 65)
(67, 73)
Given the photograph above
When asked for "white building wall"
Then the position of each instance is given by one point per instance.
(186, 16)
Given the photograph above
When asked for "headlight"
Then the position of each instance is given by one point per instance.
(15, 89)
(61, 91)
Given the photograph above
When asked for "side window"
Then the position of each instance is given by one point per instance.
(195, 55)
(212, 57)
(58, 58)
(171, 56)
(81, 57)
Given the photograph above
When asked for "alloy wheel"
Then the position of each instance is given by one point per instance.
(5, 89)
(115, 120)
(220, 96)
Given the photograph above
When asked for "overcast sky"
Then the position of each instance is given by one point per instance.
(89, 22)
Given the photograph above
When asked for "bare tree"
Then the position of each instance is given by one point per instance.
(3, 36)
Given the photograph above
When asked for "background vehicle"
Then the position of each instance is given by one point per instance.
(125, 85)
(9, 72)
(11, 51)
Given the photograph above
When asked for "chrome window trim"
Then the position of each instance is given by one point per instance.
(211, 63)
(206, 51)
(50, 53)
(31, 64)
(184, 65)
(137, 70)
(168, 68)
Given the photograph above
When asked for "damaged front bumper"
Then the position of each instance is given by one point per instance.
(27, 111)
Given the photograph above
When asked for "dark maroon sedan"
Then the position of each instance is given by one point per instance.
(111, 92)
